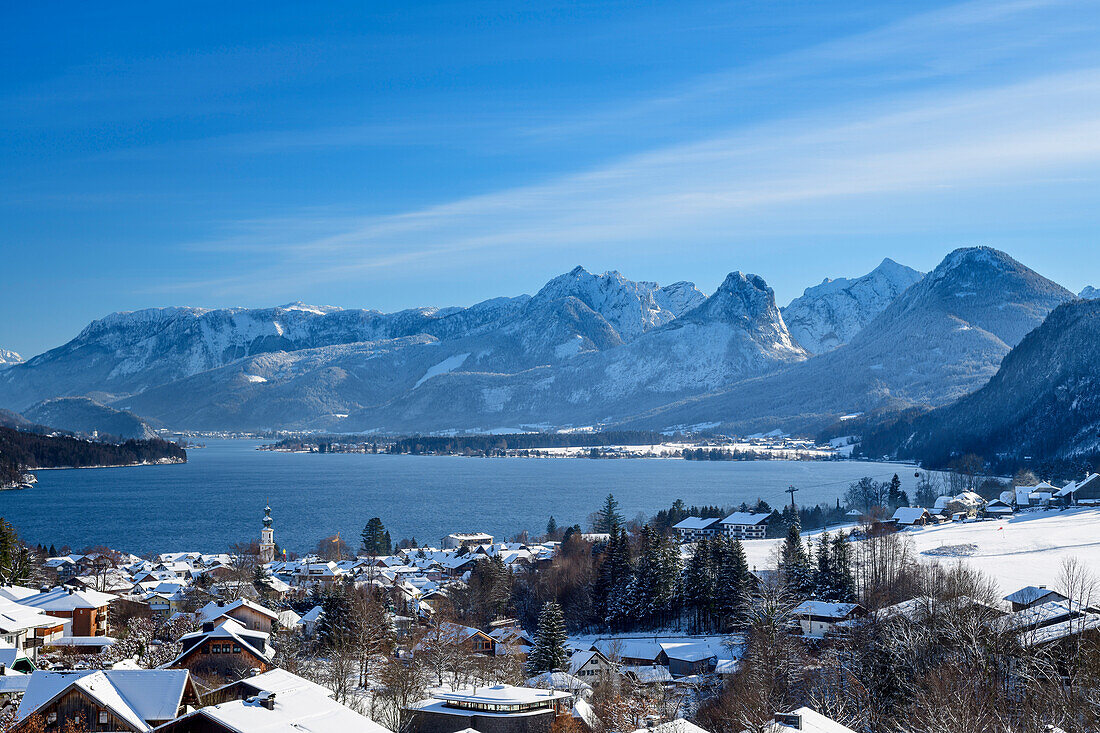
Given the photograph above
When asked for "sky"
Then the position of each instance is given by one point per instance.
(394, 155)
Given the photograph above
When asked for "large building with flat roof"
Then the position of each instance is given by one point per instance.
(495, 709)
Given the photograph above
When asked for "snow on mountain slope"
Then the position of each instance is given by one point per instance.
(735, 333)
(9, 359)
(942, 338)
(1089, 293)
(630, 307)
(85, 416)
(1027, 548)
(830, 314)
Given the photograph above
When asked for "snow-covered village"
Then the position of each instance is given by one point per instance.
(550, 367)
(701, 619)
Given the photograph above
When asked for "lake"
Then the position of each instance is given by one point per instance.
(217, 498)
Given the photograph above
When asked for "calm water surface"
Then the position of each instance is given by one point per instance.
(217, 498)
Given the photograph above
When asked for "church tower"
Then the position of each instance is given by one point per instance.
(267, 538)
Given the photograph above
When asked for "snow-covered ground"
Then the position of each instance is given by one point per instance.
(778, 450)
(1025, 549)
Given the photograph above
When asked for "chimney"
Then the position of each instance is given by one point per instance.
(221, 603)
(3, 669)
(790, 720)
(266, 699)
(207, 627)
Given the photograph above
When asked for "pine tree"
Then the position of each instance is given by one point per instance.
(824, 581)
(551, 527)
(608, 519)
(615, 574)
(549, 652)
(336, 629)
(732, 585)
(795, 565)
(844, 584)
(374, 538)
(699, 582)
(894, 493)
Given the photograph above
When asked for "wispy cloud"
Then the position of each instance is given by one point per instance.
(962, 137)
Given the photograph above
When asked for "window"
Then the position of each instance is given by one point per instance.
(236, 649)
(51, 718)
(102, 717)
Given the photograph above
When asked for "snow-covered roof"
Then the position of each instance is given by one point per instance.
(497, 695)
(810, 721)
(1030, 594)
(697, 523)
(688, 652)
(68, 599)
(746, 518)
(228, 628)
(16, 592)
(647, 675)
(558, 681)
(1043, 614)
(1054, 632)
(909, 514)
(134, 695)
(217, 609)
(278, 680)
(293, 711)
(628, 648)
(825, 609)
(15, 617)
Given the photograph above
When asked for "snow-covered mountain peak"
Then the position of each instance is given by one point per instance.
(9, 358)
(630, 307)
(319, 310)
(830, 314)
(742, 297)
(1089, 293)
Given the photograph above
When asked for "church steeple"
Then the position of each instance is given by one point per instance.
(267, 538)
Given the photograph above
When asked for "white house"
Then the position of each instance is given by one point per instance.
(805, 720)
(818, 618)
(911, 516)
(746, 525)
(693, 529)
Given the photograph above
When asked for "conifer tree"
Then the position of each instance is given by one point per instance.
(608, 519)
(794, 564)
(374, 538)
(699, 583)
(894, 493)
(824, 580)
(844, 584)
(551, 527)
(733, 584)
(549, 652)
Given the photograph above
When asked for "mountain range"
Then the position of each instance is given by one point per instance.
(1042, 406)
(587, 349)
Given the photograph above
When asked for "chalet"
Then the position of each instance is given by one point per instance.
(87, 609)
(135, 700)
(805, 720)
(496, 709)
(301, 709)
(473, 640)
(998, 508)
(590, 665)
(562, 681)
(745, 525)
(252, 616)
(1033, 596)
(1042, 615)
(911, 516)
(276, 680)
(693, 529)
(227, 648)
(308, 621)
(511, 640)
(818, 618)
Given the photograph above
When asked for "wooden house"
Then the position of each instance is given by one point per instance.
(87, 609)
(107, 700)
(247, 613)
(227, 649)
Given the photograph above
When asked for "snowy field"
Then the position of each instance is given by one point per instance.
(792, 452)
(1025, 549)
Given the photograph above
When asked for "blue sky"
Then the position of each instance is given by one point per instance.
(393, 155)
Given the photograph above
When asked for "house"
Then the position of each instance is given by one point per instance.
(632, 652)
(308, 621)
(688, 659)
(495, 709)
(301, 709)
(1042, 615)
(911, 516)
(590, 665)
(111, 699)
(227, 648)
(511, 640)
(28, 628)
(693, 529)
(1085, 492)
(473, 640)
(275, 680)
(465, 539)
(998, 508)
(12, 658)
(818, 618)
(746, 525)
(560, 681)
(87, 609)
(251, 615)
(13, 685)
(1033, 596)
(805, 720)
